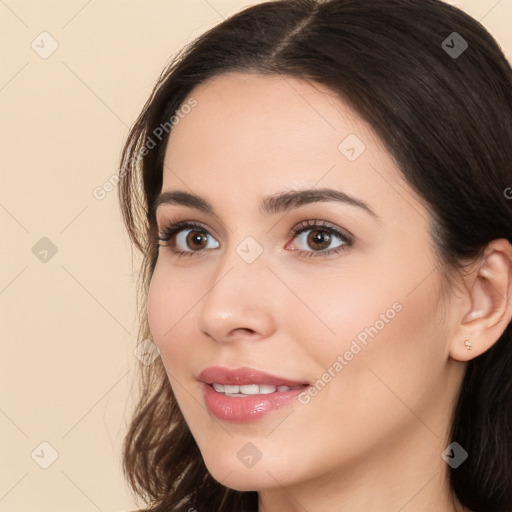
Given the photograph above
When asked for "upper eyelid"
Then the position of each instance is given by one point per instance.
(320, 223)
(168, 219)
(182, 224)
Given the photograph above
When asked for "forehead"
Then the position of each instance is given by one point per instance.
(265, 118)
(255, 135)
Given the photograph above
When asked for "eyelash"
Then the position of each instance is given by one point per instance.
(171, 229)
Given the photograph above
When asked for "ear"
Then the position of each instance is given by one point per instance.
(489, 293)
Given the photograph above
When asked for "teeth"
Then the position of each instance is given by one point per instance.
(250, 389)
(255, 389)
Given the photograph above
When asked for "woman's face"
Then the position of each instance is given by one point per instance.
(350, 303)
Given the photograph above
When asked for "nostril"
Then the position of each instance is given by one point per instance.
(243, 331)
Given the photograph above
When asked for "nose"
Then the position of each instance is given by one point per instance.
(237, 304)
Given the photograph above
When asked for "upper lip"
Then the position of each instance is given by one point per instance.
(243, 375)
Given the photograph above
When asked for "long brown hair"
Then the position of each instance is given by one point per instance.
(444, 112)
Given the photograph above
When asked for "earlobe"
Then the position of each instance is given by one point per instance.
(490, 290)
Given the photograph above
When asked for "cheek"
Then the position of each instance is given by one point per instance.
(158, 303)
(168, 303)
(382, 318)
(173, 303)
(393, 354)
(339, 308)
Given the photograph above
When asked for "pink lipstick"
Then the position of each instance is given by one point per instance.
(244, 394)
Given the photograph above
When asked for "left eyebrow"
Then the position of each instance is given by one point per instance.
(286, 201)
(271, 205)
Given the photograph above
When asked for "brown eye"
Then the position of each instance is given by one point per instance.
(187, 238)
(193, 240)
(318, 239)
(196, 240)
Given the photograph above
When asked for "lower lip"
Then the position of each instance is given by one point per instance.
(242, 409)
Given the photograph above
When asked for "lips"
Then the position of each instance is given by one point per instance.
(244, 376)
(242, 395)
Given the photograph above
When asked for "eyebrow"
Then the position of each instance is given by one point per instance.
(271, 205)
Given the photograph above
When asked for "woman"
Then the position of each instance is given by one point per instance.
(321, 193)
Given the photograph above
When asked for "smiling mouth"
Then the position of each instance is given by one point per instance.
(242, 403)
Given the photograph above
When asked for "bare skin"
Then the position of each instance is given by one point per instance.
(372, 438)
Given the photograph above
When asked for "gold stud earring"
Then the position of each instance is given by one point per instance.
(468, 344)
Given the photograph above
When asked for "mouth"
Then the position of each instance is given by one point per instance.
(246, 394)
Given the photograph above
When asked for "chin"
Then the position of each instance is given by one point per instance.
(239, 478)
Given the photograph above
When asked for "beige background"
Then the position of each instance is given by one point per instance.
(68, 323)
